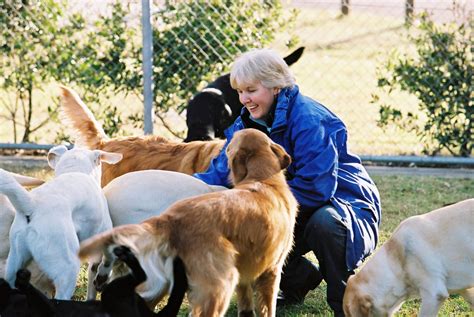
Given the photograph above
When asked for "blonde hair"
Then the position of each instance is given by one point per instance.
(261, 65)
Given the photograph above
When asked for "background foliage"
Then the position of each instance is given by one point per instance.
(95, 47)
(441, 76)
(105, 57)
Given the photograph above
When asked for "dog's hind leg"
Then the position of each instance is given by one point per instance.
(17, 259)
(266, 287)
(210, 295)
(431, 300)
(468, 295)
(180, 286)
(245, 300)
(63, 273)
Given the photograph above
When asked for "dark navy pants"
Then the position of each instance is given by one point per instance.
(322, 232)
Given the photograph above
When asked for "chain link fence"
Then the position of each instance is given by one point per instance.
(95, 47)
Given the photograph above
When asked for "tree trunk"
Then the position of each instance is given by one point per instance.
(409, 9)
(28, 115)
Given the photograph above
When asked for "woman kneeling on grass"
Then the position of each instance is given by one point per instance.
(340, 208)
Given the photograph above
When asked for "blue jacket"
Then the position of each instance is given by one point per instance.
(322, 171)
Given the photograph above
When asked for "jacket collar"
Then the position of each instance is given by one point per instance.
(285, 99)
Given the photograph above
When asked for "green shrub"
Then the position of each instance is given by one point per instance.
(195, 41)
(440, 76)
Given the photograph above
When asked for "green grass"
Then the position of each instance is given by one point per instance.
(402, 197)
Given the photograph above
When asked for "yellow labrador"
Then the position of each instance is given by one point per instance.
(428, 256)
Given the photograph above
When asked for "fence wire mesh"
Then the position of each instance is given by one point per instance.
(95, 47)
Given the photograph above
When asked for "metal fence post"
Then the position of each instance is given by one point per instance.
(147, 67)
(409, 8)
(345, 7)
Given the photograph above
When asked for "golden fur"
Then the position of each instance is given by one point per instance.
(139, 153)
(231, 239)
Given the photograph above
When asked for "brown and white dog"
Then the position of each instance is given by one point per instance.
(139, 152)
(235, 238)
(428, 256)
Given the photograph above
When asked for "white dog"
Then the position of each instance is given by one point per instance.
(53, 218)
(428, 256)
(7, 214)
(137, 196)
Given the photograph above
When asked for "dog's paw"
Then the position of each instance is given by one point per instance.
(123, 253)
(23, 277)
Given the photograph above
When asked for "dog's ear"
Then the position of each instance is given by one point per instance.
(238, 166)
(365, 305)
(283, 157)
(54, 154)
(107, 157)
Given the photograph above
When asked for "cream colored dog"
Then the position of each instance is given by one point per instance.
(137, 196)
(7, 214)
(234, 238)
(52, 219)
(428, 256)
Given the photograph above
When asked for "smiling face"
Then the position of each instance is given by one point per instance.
(257, 99)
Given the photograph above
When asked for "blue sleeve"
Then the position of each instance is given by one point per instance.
(218, 171)
(315, 154)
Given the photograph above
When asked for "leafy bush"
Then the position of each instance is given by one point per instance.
(440, 76)
(28, 34)
(195, 41)
(39, 44)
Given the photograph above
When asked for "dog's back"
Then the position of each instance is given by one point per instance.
(139, 153)
(441, 240)
(136, 196)
(143, 153)
(428, 256)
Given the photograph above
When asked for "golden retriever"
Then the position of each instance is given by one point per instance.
(139, 152)
(237, 238)
(428, 256)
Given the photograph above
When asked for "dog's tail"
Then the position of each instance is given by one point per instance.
(149, 246)
(87, 130)
(26, 181)
(18, 196)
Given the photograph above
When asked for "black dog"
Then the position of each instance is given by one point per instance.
(118, 298)
(213, 109)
